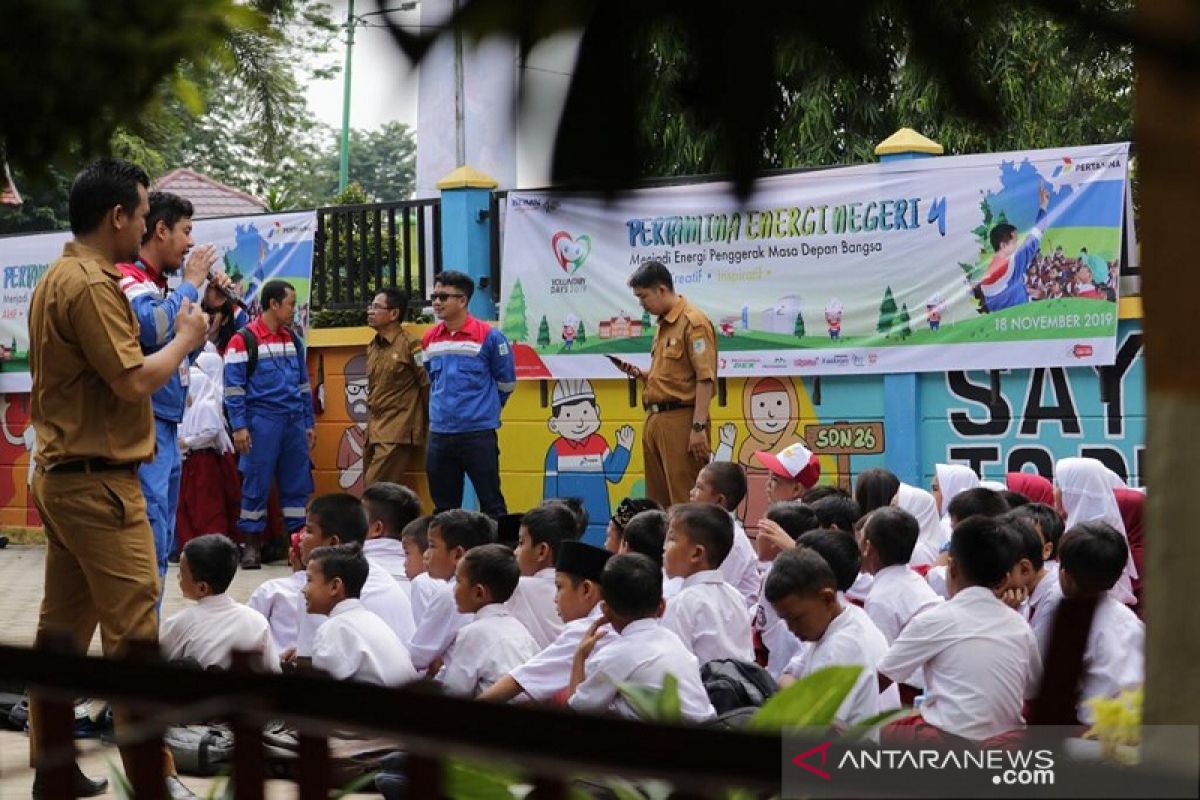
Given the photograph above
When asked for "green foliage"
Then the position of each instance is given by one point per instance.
(543, 337)
(463, 780)
(887, 313)
(580, 333)
(799, 330)
(514, 324)
(653, 703)
(811, 702)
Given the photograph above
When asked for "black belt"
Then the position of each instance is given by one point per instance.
(658, 408)
(94, 465)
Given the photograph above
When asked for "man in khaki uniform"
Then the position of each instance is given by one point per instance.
(679, 386)
(397, 392)
(90, 407)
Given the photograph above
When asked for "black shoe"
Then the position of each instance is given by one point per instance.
(252, 554)
(177, 791)
(84, 786)
(3, 542)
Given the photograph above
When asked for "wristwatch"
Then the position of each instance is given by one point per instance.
(699, 426)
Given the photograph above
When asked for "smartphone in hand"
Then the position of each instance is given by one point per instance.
(620, 364)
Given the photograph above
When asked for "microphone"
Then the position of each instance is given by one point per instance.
(233, 298)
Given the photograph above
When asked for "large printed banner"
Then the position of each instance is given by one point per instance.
(1006, 260)
(253, 250)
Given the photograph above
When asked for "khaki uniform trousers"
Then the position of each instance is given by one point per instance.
(670, 469)
(101, 568)
(387, 461)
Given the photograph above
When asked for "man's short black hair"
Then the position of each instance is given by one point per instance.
(982, 553)
(632, 584)
(893, 533)
(212, 558)
(976, 502)
(466, 529)
(345, 561)
(1000, 234)
(821, 491)
(101, 185)
(456, 280)
(168, 209)
(418, 532)
(836, 512)
(794, 517)
(650, 275)
(1048, 521)
(340, 514)
(577, 508)
(874, 489)
(1025, 537)
(840, 551)
(495, 567)
(801, 571)
(707, 525)
(393, 505)
(1095, 554)
(1014, 499)
(274, 291)
(645, 533)
(551, 524)
(729, 479)
(396, 298)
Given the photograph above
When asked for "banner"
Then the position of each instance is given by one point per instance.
(252, 250)
(1005, 260)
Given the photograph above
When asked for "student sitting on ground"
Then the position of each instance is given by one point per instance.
(640, 651)
(978, 657)
(897, 593)
(577, 598)
(724, 483)
(708, 615)
(352, 643)
(1092, 557)
(415, 538)
(543, 531)
(777, 533)
(791, 472)
(389, 507)
(495, 642)
(217, 625)
(977, 501)
(626, 510)
(1044, 591)
(279, 600)
(842, 514)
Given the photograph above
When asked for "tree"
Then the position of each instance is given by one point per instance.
(887, 313)
(904, 323)
(799, 330)
(580, 333)
(514, 324)
(384, 161)
(646, 329)
(543, 339)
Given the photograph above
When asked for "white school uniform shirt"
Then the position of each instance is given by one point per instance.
(897, 595)
(1042, 606)
(380, 595)
(388, 554)
(671, 586)
(549, 672)
(979, 660)
(709, 616)
(740, 567)
(439, 625)
(423, 589)
(861, 587)
(486, 649)
(1115, 655)
(782, 645)
(213, 628)
(276, 600)
(533, 606)
(643, 653)
(353, 643)
(851, 640)
(937, 578)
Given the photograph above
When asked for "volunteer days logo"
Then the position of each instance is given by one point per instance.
(571, 251)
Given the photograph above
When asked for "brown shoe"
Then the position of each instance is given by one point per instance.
(252, 554)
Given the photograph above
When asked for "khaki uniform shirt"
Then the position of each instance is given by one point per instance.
(397, 390)
(684, 352)
(82, 336)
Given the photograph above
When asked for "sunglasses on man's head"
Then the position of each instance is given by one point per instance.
(444, 296)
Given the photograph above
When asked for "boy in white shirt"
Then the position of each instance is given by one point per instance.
(979, 501)
(577, 597)
(897, 593)
(803, 589)
(978, 657)
(640, 651)
(1042, 587)
(542, 532)
(217, 626)
(352, 643)
(791, 472)
(415, 538)
(777, 533)
(841, 512)
(494, 642)
(708, 615)
(389, 508)
(451, 534)
(278, 600)
(1092, 558)
(724, 483)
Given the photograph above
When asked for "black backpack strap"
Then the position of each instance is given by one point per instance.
(251, 350)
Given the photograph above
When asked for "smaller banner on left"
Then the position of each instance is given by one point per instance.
(253, 250)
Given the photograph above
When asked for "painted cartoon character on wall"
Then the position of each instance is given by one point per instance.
(570, 326)
(833, 318)
(934, 307)
(579, 462)
(19, 440)
(354, 438)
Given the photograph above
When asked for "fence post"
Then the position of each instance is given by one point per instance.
(902, 391)
(466, 233)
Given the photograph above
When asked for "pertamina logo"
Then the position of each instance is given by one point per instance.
(1065, 168)
(571, 251)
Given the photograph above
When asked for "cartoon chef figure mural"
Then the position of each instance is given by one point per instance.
(579, 462)
(354, 438)
(833, 318)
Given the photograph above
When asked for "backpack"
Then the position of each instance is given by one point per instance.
(202, 750)
(252, 350)
(732, 684)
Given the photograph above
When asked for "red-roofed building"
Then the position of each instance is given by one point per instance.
(209, 197)
(9, 196)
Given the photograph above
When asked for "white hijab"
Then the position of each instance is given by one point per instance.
(953, 479)
(921, 505)
(203, 421)
(1087, 487)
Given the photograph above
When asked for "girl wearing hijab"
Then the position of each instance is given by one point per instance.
(1036, 488)
(210, 488)
(1083, 491)
(930, 539)
(1130, 503)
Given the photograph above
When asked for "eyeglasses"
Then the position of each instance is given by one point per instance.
(442, 297)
